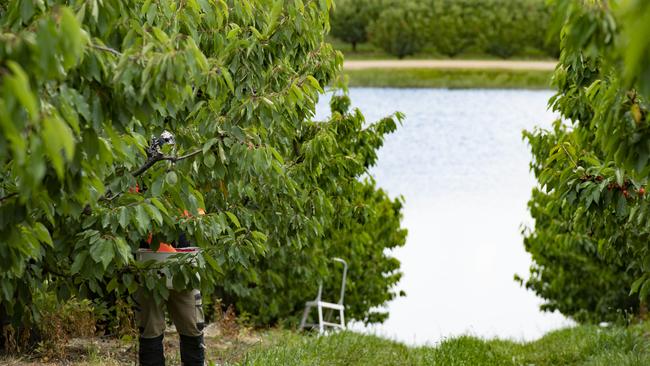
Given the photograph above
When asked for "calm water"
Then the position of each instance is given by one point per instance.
(462, 167)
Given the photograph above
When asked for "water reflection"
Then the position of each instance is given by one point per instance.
(460, 163)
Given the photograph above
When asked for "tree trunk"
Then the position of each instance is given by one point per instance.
(643, 310)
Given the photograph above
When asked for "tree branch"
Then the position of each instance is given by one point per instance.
(156, 158)
(182, 157)
(107, 49)
(10, 195)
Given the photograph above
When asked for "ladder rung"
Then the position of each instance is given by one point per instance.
(337, 325)
(330, 305)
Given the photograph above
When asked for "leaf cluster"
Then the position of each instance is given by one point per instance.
(591, 214)
(86, 86)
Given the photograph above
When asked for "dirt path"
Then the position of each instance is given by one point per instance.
(449, 64)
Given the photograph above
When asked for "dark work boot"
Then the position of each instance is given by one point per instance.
(192, 350)
(151, 351)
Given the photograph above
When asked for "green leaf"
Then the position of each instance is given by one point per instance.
(78, 263)
(129, 282)
(637, 284)
(171, 178)
(228, 79)
(112, 284)
(154, 213)
(42, 233)
(233, 218)
(261, 237)
(212, 263)
(123, 217)
(208, 145)
(160, 35)
(619, 177)
(312, 80)
(59, 141)
(19, 85)
(267, 101)
(75, 38)
(156, 202)
(209, 160)
(102, 251)
(222, 153)
(123, 249)
(142, 219)
(277, 155)
(157, 186)
(7, 289)
(645, 290)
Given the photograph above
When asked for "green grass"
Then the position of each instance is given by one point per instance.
(439, 78)
(580, 346)
(449, 78)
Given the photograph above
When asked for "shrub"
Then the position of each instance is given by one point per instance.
(499, 27)
(362, 222)
(350, 20)
(591, 209)
(452, 26)
(61, 322)
(518, 25)
(399, 29)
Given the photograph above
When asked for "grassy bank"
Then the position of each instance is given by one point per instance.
(579, 346)
(449, 78)
(586, 345)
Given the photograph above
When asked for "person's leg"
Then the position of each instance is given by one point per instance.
(150, 319)
(186, 310)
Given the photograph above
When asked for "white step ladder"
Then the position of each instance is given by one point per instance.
(320, 305)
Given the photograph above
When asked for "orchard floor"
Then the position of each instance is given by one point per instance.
(223, 348)
(578, 346)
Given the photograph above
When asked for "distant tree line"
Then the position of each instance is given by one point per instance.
(502, 28)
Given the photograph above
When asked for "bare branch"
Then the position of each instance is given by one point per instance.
(156, 158)
(10, 195)
(182, 157)
(147, 164)
(107, 49)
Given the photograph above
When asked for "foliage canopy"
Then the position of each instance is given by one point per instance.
(590, 241)
(85, 85)
(399, 28)
(350, 20)
(502, 28)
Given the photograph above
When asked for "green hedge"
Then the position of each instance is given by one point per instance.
(502, 28)
(400, 30)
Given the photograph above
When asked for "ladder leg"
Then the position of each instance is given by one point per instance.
(321, 326)
(342, 320)
(305, 314)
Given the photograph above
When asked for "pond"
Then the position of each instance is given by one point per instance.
(461, 165)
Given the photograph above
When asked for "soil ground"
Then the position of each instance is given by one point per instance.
(221, 348)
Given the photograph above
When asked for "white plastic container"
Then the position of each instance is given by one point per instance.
(144, 255)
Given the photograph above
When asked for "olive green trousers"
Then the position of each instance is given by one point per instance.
(185, 309)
